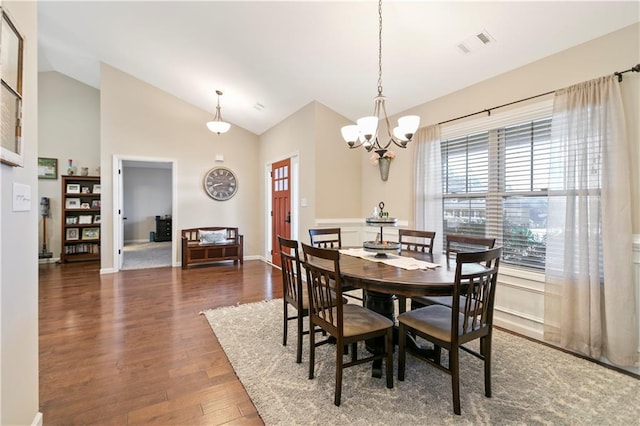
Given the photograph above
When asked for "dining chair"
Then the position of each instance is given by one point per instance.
(347, 324)
(414, 241)
(456, 243)
(451, 328)
(294, 293)
(331, 238)
(326, 237)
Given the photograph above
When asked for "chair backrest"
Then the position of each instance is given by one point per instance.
(420, 241)
(291, 276)
(474, 290)
(325, 237)
(457, 243)
(324, 287)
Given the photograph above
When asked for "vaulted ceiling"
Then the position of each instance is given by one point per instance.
(272, 58)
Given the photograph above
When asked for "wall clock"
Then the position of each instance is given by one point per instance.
(220, 183)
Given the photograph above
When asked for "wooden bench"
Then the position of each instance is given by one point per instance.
(211, 244)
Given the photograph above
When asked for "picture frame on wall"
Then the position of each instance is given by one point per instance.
(47, 168)
(11, 46)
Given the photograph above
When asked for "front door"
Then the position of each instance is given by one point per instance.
(281, 206)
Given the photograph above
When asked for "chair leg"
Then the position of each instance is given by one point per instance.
(388, 347)
(485, 344)
(437, 354)
(312, 348)
(402, 340)
(300, 332)
(286, 322)
(402, 304)
(454, 367)
(338, 389)
(354, 351)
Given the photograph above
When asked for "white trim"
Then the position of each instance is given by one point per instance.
(37, 420)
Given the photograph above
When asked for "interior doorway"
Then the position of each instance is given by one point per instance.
(144, 226)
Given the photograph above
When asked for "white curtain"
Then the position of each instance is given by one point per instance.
(589, 290)
(428, 183)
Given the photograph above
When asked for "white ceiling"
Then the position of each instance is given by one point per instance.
(284, 55)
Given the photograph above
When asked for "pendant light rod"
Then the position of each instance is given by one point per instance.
(365, 132)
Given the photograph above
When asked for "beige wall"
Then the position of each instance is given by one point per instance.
(614, 52)
(141, 121)
(329, 178)
(68, 128)
(18, 248)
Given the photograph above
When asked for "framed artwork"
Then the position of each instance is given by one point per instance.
(47, 168)
(11, 46)
(96, 189)
(95, 204)
(96, 219)
(73, 188)
(85, 219)
(71, 220)
(73, 234)
(91, 233)
(72, 203)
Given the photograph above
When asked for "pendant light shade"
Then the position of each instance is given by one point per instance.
(217, 125)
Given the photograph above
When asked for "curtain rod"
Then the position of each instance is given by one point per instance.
(488, 110)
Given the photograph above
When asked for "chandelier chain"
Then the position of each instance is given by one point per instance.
(380, 48)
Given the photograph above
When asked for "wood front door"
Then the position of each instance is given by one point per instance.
(281, 205)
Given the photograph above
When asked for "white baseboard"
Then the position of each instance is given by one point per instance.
(49, 260)
(37, 420)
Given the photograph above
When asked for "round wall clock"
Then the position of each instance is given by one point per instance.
(220, 183)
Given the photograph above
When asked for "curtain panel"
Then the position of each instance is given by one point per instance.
(589, 290)
(428, 183)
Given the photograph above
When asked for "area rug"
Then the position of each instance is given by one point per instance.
(531, 383)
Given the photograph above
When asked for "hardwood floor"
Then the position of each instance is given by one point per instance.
(131, 347)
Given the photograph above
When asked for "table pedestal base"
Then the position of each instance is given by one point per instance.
(382, 303)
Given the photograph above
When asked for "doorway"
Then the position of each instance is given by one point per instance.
(282, 203)
(146, 206)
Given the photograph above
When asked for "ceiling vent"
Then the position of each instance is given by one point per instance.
(475, 42)
(258, 106)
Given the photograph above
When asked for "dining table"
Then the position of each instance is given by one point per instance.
(384, 277)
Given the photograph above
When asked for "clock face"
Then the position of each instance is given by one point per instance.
(220, 183)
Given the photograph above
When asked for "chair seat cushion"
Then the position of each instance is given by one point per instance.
(434, 320)
(358, 320)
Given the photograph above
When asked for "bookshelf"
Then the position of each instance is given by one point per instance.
(80, 218)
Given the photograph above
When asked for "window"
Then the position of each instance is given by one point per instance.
(495, 184)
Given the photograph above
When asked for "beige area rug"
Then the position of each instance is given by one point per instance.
(532, 383)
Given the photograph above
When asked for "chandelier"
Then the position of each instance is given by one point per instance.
(217, 125)
(365, 132)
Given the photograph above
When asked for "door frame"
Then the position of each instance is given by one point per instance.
(294, 197)
(118, 206)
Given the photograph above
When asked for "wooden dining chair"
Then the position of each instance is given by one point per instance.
(451, 328)
(294, 293)
(347, 324)
(418, 242)
(326, 237)
(456, 243)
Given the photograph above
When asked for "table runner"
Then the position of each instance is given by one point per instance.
(403, 262)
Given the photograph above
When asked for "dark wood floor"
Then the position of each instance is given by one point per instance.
(131, 347)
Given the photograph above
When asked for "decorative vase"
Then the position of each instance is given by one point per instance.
(384, 163)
